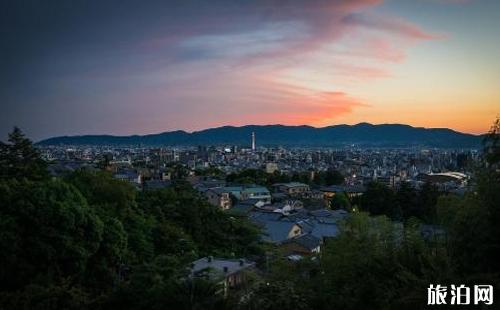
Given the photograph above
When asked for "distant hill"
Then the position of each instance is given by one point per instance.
(363, 134)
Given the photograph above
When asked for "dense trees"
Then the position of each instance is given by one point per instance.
(90, 241)
(46, 226)
(379, 199)
(401, 204)
(340, 201)
(329, 177)
(373, 264)
(257, 176)
(19, 159)
(473, 221)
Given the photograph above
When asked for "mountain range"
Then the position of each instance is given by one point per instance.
(362, 134)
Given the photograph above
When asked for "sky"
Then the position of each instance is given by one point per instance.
(136, 67)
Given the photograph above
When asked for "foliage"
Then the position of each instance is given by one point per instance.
(329, 177)
(491, 144)
(211, 171)
(45, 226)
(379, 200)
(340, 201)
(257, 176)
(404, 203)
(90, 241)
(19, 159)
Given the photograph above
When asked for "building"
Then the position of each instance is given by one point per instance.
(349, 190)
(444, 179)
(219, 197)
(259, 193)
(271, 167)
(129, 176)
(253, 141)
(278, 227)
(284, 207)
(292, 188)
(303, 245)
(229, 273)
(249, 192)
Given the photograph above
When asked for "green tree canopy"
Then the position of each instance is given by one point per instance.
(20, 159)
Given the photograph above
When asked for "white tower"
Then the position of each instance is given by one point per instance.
(253, 141)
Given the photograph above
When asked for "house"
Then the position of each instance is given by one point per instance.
(291, 188)
(274, 229)
(284, 207)
(313, 194)
(302, 245)
(256, 193)
(219, 197)
(278, 227)
(325, 230)
(249, 192)
(229, 273)
(129, 176)
(278, 231)
(350, 191)
(202, 184)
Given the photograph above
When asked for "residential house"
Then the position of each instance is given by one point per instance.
(219, 197)
(302, 245)
(292, 188)
(249, 192)
(349, 190)
(229, 273)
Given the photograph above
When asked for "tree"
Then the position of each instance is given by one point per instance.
(491, 144)
(274, 295)
(49, 231)
(329, 177)
(379, 200)
(20, 159)
(407, 202)
(333, 177)
(340, 201)
(427, 200)
(472, 221)
(357, 268)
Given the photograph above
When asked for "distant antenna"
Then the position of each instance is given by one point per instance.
(253, 141)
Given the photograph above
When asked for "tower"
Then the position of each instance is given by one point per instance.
(253, 141)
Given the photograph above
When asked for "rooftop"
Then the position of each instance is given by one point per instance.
(217, 268)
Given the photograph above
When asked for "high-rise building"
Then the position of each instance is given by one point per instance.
(253, 141)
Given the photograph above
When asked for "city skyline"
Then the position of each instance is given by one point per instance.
(127, 68)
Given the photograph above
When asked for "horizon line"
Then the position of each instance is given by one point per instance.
(260, 125)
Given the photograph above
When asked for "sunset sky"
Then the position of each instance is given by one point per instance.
(127, 67)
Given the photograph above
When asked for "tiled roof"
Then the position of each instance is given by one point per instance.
(307, 241)
(216, 268)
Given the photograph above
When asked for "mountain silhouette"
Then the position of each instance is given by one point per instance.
(362, 134)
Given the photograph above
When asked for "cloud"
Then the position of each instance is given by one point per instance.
(191, 64)
(393, 25)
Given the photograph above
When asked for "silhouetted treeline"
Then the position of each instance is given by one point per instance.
(258, 176)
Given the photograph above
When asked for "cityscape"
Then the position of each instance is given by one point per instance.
(249, 155)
